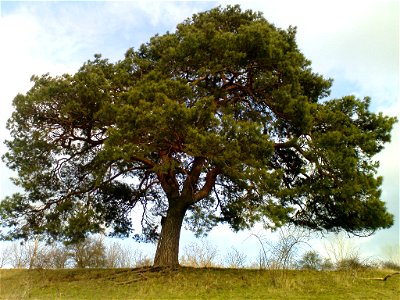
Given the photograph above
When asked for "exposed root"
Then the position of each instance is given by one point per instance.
(143, 273)
(382, 278)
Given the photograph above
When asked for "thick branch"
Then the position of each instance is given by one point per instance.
(288, 144)
(208, 185)
(167, 178)
(148, 163)
(79, 190)
(193, 176)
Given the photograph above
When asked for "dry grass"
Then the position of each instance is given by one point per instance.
(192, 283)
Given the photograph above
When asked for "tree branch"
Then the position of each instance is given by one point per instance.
(148, 163)
(193, 176)
(208, 185)
(288, 144)
(167, 177)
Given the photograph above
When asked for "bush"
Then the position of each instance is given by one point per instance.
(327, 265)
(390, 265)
(235, 259)
(281, 254)
(90, 253)
(54, 256)
(141, 260)
(352, 263)
(199, 255)
(310, 260)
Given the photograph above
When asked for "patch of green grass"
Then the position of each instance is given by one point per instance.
(191, 283)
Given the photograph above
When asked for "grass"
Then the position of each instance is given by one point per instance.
(191, 283)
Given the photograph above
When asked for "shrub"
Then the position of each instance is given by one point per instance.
(199, 255)
(390, 265)
(352, 263)
(90, 253)
(327, 265)
(235, 259)
(310, 260)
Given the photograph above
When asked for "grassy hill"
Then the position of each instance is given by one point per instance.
(191, 283)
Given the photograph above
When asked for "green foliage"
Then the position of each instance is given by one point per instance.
(223, 117)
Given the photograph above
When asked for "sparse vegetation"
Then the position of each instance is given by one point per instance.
(235, 259)
(392, 257)
(200, 255)
(389, 265)
(281, 255)
(93, 252)
(222, 121)
(96, 267)
(193, 283)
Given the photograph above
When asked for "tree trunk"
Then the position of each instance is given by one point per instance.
(34, 254)
(167, 253)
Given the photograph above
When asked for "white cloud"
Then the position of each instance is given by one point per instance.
(37, 38)
(355, 42)
(27, 48)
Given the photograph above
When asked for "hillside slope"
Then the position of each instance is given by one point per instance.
(190, 283)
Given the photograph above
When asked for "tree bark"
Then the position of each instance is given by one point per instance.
(167, 253)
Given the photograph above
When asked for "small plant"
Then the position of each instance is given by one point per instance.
(54, 256)
(141, 260)
(280, 256)
(199, 255)
(235, 259)
(390, 265)
(327, 265)
(391, 254)
(351, 263)
(90, 253)
(343, 253)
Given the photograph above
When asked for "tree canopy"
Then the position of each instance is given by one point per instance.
(222, 120)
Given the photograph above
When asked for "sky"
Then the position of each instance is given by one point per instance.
(354, 42)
